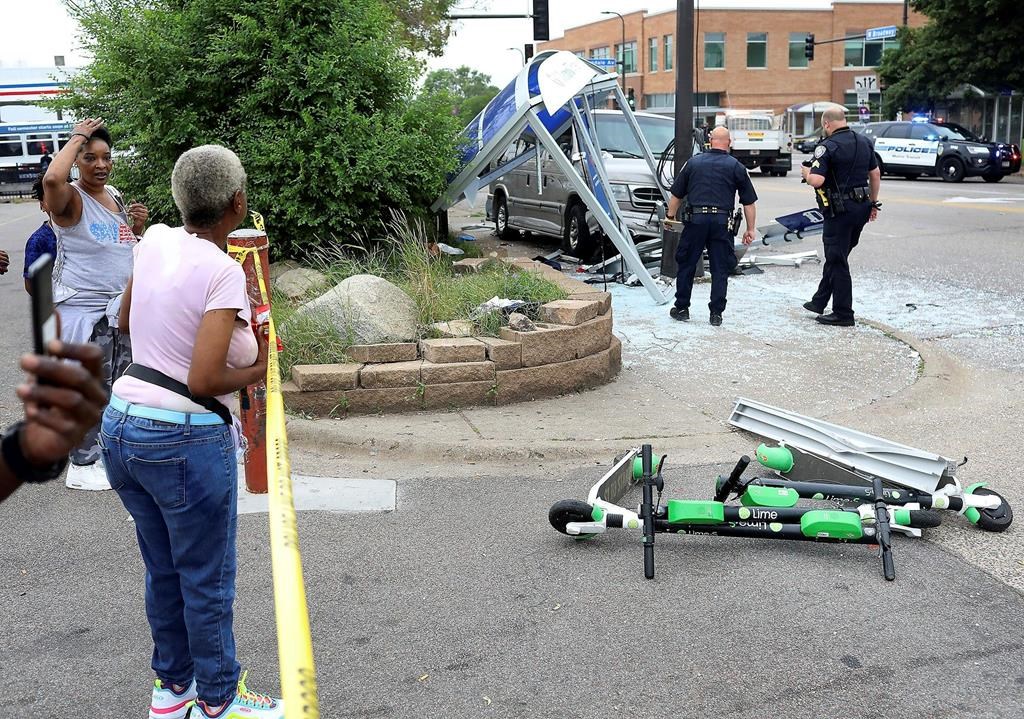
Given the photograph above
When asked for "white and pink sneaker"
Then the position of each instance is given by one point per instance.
(168, 704)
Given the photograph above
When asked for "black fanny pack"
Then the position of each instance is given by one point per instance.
(155, 377)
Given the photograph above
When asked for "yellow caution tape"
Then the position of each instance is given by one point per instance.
(294, 644)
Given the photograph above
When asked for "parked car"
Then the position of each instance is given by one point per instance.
(556, 210)
(912, 149)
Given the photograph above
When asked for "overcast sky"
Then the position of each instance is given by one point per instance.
(36, 30)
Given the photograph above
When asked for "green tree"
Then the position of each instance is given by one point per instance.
(316, 97)
(964, 41)
(466, 89)
(424, 23)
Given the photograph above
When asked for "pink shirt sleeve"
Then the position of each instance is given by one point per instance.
(227, 291)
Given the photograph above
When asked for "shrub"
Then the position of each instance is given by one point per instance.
(316, 97)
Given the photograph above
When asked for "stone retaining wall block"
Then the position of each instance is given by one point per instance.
(392, 374)
(397, 352)
(569, 312)
(320, 377)
(519, 385)
(459, 394)
(456, 372)
(455, 349)
(503, 353)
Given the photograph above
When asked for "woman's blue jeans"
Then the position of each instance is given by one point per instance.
(179, 483)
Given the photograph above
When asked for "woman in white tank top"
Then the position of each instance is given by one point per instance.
(96, 234)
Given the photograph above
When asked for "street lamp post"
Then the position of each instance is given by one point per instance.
(623, 46)
(521, 53)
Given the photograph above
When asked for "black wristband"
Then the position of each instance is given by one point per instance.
(79, 134)
(14, 458)
(876, 205)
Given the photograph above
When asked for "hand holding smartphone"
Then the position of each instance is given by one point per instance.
(44, 319)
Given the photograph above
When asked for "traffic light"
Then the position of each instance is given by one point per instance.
(540, 20)
(809, 46)
(528, 51)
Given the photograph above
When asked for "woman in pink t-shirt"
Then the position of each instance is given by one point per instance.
(169, 442)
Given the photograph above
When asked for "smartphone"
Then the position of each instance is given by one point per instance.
(44, 320)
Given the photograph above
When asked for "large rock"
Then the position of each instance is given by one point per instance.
(367, 310)
(297, 283)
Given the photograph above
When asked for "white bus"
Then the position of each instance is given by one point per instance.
(22, 145)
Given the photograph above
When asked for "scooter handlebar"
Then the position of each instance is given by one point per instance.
(729, 485)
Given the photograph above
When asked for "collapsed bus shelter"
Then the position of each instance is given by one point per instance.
(555, 92)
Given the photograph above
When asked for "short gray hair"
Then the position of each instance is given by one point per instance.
(203, 182)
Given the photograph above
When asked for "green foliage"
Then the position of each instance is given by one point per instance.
(315, 96)
(964, 41)
(424, 23)
(467, 90)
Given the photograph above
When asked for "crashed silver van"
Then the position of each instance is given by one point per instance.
(548, 204)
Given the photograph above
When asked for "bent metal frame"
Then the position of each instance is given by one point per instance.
(550, 95)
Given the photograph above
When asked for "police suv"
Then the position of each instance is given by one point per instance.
(911, 149)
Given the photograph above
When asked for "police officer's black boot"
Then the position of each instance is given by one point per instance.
(835, 320)
(716, 319)
(679, 313)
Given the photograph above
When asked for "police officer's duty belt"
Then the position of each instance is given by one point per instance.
(704, 210)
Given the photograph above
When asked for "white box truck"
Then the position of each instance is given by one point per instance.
(759, 139)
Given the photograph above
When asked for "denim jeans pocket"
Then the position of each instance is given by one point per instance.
(164, 479)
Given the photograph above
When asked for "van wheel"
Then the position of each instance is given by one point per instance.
(952, 170)
(576, 239)
(764, 170)
(993, 177)
(782, 173)
(501, 228)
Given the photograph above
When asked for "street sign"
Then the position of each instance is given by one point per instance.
(865, 113)
(880, 33)
(867, 83)
(605, 61)
(862, 97)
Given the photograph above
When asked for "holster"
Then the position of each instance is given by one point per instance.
(734, 223)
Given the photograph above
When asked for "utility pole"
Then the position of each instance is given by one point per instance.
(622, 47)
(684, 83)
(906, 11)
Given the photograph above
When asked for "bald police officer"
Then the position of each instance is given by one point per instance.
(846, 180)
(709, 183)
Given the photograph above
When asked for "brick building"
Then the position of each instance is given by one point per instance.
(749, 54)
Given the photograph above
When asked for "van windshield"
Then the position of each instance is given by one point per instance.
(617, 138)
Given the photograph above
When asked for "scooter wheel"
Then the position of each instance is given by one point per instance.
(994, 520)
(569, 510)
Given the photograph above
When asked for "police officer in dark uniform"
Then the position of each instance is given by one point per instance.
(846, 180)
(709, 183)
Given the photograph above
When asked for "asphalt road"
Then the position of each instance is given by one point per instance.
(465, 603)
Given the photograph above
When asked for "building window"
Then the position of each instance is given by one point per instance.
(660, 100)
(628, 63)
(667, 100)
(757, 49)
(797, 46)
(714, 50)
(598, 53)
(580, 53)
(652, 55)
(707, 99)
(861, 53)
(669, 57)
(10, 146)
